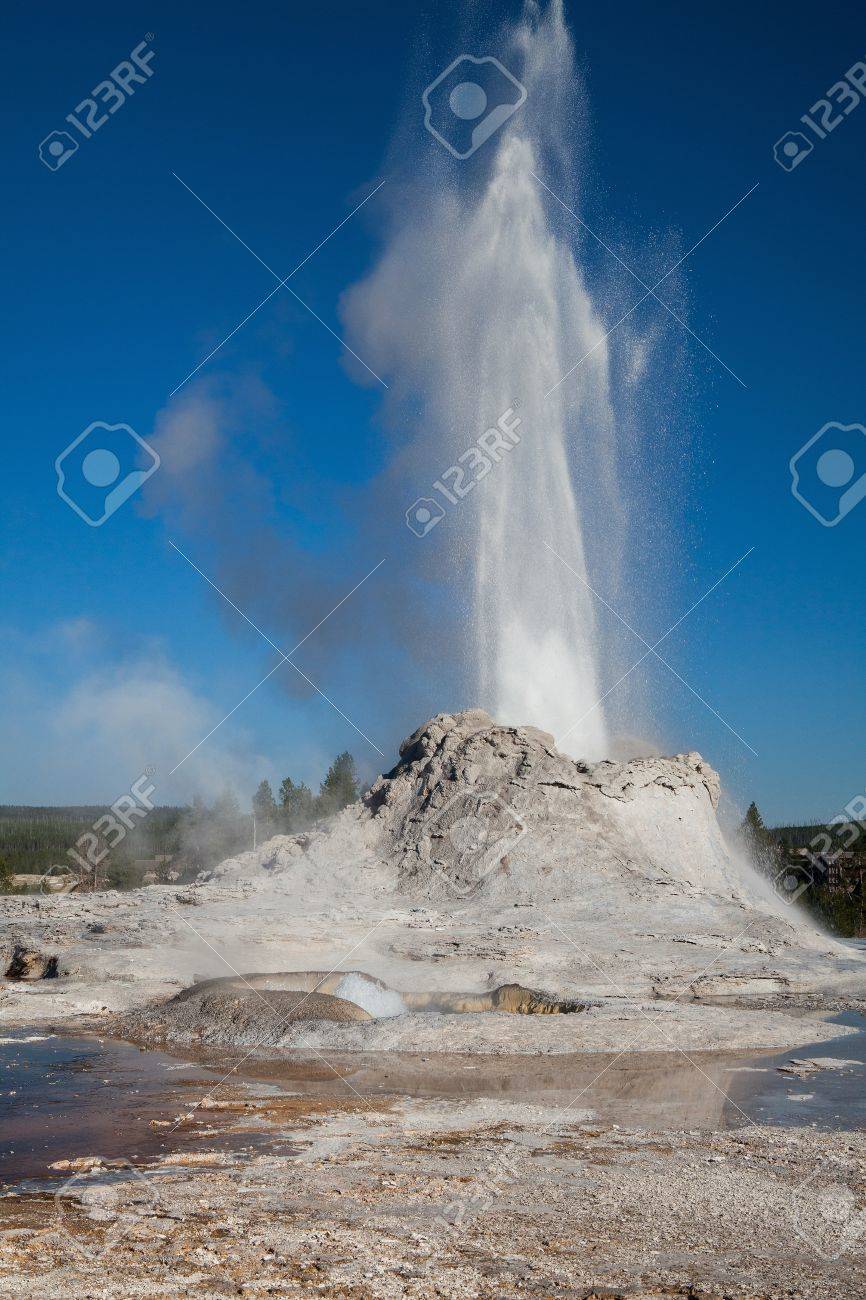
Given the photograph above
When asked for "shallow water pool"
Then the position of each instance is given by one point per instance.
(63, 1097)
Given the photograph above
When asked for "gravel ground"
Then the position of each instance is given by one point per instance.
(455, 1199)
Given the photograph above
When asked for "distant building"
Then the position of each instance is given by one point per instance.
(156, 868)
(839, 871)
(57, 881)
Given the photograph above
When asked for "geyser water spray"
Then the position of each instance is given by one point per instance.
(476, 308)
(379, 1002)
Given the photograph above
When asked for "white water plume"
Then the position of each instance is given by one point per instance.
(478, 305)
(380, 1003)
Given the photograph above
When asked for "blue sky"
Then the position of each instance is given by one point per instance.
(117, 653)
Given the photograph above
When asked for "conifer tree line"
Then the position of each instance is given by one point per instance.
(298, 807)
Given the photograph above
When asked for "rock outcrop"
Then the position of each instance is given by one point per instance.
(26, 963)
(227, 1015)
(476, 807)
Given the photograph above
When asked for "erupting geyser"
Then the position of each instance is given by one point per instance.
(477, 306)
(535, 625)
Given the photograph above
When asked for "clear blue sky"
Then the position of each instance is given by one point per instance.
(280, 117)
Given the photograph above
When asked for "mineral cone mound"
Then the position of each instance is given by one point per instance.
(478, 812)
(484, 858)
(472, 806)
(626, 861)
(239, 1017)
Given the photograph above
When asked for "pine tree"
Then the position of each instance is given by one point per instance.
(6, 876)
(194, 831)
(229, 830)
(226, 808)
(340, 786)
(753, 827)
(264, 812)
(760, 846)
(298, 805)
(264, 803)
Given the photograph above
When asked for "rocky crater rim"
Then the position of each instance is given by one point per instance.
(448, 737)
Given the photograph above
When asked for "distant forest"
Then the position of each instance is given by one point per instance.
(800, 837)
(167, 843)
(34, 839)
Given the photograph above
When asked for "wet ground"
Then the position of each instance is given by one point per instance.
(651, 1090)
(828, 1099)
(63, 1097)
